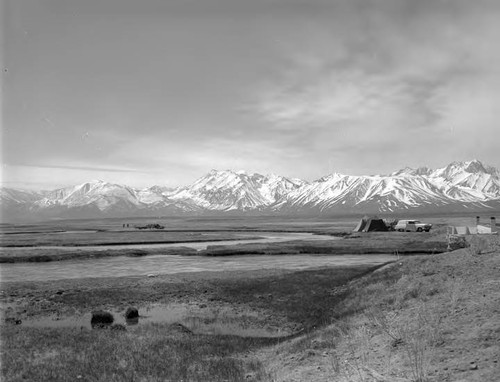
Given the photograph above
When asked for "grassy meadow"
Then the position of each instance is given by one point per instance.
(69, 240)
(421, 318)
(300, 302)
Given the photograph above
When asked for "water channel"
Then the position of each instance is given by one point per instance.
(197, 319)
(170, 264)
(160, 264)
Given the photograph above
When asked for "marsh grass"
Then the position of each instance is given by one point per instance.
(370, 243)
(43, 255)
(151, 353)
(308, 298)
(303, 301)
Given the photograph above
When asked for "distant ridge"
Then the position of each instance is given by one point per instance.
(460, 186)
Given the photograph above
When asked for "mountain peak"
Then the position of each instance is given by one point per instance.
(459, 168)
(412, 171)
(334, 176)
(471, 166)
(459, 185)
(215, 172)
(474, 166)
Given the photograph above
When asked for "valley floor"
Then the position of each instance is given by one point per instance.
(421, 318)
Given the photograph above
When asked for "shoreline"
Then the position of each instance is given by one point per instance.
(352, 244)
(246, 292)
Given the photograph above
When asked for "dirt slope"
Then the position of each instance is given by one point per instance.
(425, 318)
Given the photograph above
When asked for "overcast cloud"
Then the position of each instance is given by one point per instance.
(157, 92)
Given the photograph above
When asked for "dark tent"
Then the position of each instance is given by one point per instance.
(367, 224)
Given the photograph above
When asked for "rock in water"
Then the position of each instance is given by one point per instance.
(131, 313)
(101, 318)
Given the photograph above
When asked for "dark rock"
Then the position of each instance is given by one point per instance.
(60, 292)
(202, 306)
(101, 318)
(131, 313)
(473, 366)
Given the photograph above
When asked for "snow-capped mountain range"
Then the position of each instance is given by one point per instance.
(459, 186)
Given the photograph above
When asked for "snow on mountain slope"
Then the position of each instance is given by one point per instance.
(424, 171)
(387, 192)
(228, 190)
(274, 187)
(466, 180)
(155, 194)
(101, 194)
(12, 196)
(458, 186)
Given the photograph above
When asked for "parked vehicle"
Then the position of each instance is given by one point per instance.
(412, 226)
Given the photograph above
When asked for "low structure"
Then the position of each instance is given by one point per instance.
(368, 224)
(478, 229)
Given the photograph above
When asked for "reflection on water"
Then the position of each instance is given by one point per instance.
(153, 313)
(171, 264)
(217, 321)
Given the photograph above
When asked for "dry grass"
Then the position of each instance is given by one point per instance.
(390, 326)
(483, 244)
(404, 323)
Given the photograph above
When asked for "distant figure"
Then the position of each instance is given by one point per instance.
(127, 225)
(123, 225)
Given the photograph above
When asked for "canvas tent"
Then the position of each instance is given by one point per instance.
(368, 224)
(478, 229)
(471, 230)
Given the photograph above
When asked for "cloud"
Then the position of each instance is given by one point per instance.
(422, 80)
(328, 99)
(289, 87)
(85, 168)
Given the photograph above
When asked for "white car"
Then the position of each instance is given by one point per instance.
(412, 226)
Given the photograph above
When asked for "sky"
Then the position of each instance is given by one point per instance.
(162, 91)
